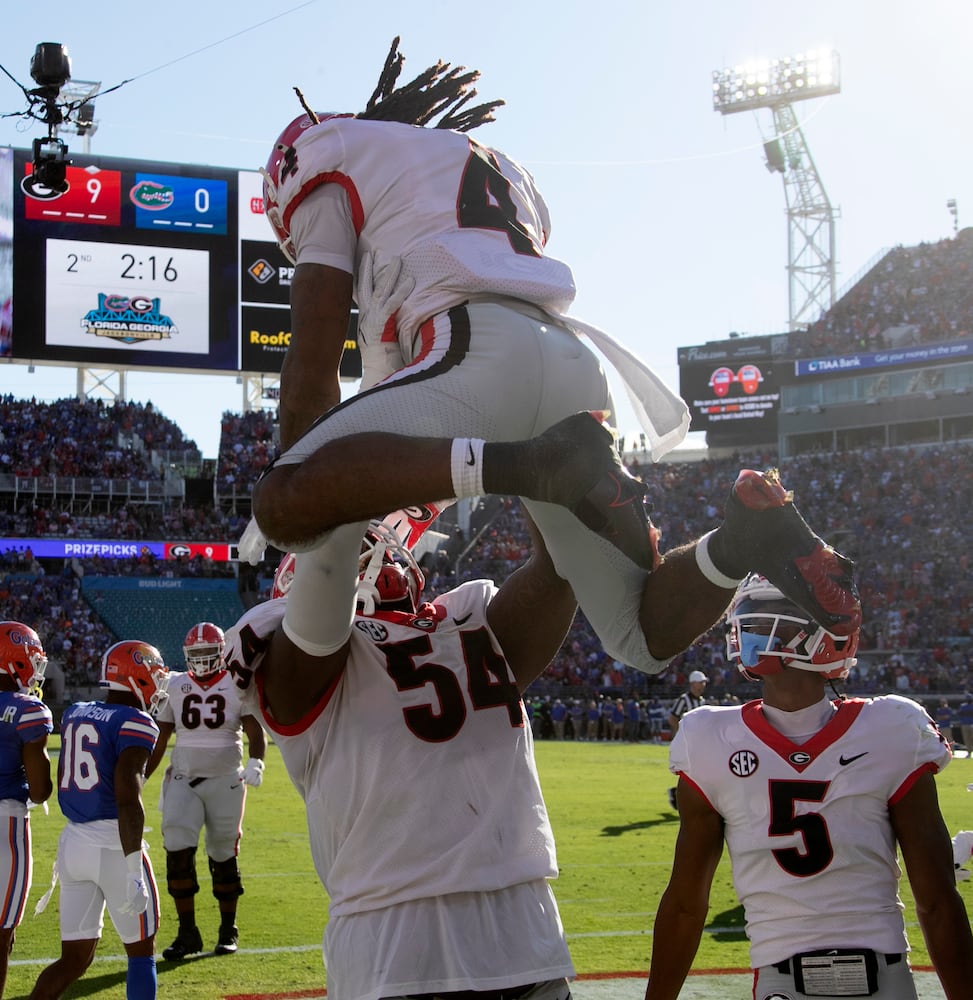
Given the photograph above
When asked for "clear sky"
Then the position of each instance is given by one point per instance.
(676, 232)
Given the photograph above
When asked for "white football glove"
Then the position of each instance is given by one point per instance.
(253, 773)
(136, 893)
(379, 294)
(253, 544)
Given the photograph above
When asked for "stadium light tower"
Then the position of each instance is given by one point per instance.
(777, 84)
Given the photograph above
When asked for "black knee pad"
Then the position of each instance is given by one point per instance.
(226, 878)
(181, 873)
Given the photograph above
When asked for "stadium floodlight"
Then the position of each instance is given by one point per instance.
(954, 212)
(769, 83)
(777, 84)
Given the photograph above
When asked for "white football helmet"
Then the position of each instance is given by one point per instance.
(389, 577)
(203, 649)
(281, 162)
(138, 668)
(766, 632)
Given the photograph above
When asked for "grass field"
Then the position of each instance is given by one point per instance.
(615, 834)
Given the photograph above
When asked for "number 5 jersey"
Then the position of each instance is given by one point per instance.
(807, 825)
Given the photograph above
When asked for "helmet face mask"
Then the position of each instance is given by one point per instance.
(203, 649)
(389, 578)
(22, 655)
(136, 668)
(766, 633)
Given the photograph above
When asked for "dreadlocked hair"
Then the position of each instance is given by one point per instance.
(440, 90)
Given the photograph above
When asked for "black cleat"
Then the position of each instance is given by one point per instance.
(228, 941)
(186, 943)
(764, 532)
(672, 799)
(577, 466)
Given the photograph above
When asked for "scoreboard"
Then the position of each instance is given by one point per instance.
(141, 264)
(733, 388)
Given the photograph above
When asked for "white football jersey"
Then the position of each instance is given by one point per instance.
(424, 811)
(206, 714)
(465, 219)
(368, 759)
(807, 826)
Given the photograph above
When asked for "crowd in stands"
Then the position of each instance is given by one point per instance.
(924, 293)
(74, 637)
(71, 437)
(900, 513)
(247, 447)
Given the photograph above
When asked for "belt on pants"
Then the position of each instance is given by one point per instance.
(784, 968)
(510, 993)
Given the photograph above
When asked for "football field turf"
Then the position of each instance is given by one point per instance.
(615, 832)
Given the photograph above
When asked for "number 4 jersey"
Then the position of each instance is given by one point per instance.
(423, 731)
(807, 826)
(465, 219)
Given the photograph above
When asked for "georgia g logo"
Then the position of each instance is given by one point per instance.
(420, 513)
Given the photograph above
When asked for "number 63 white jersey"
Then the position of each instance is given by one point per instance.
(807, 826)
(206, 715)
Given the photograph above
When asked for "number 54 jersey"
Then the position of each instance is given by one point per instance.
(416, 767)
(807, 826)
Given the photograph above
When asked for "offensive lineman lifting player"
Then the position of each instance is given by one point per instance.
(205, 785)
(409, 746)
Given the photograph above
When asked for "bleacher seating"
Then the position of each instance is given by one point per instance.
(900, 513)
(161, 615)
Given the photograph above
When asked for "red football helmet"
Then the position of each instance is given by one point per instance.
(277, 165)
(389, 577)
(138, 668)
(284, 576)
(203, 649)
(22, 655)
(766, 633)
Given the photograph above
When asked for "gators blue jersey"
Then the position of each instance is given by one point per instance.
(93, 735)
(23, 718)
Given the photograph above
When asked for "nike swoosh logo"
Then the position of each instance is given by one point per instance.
(847, 760)
(472, 459)
(463, 620)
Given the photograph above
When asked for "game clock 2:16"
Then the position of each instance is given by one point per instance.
(117, 266)
(85, 276)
